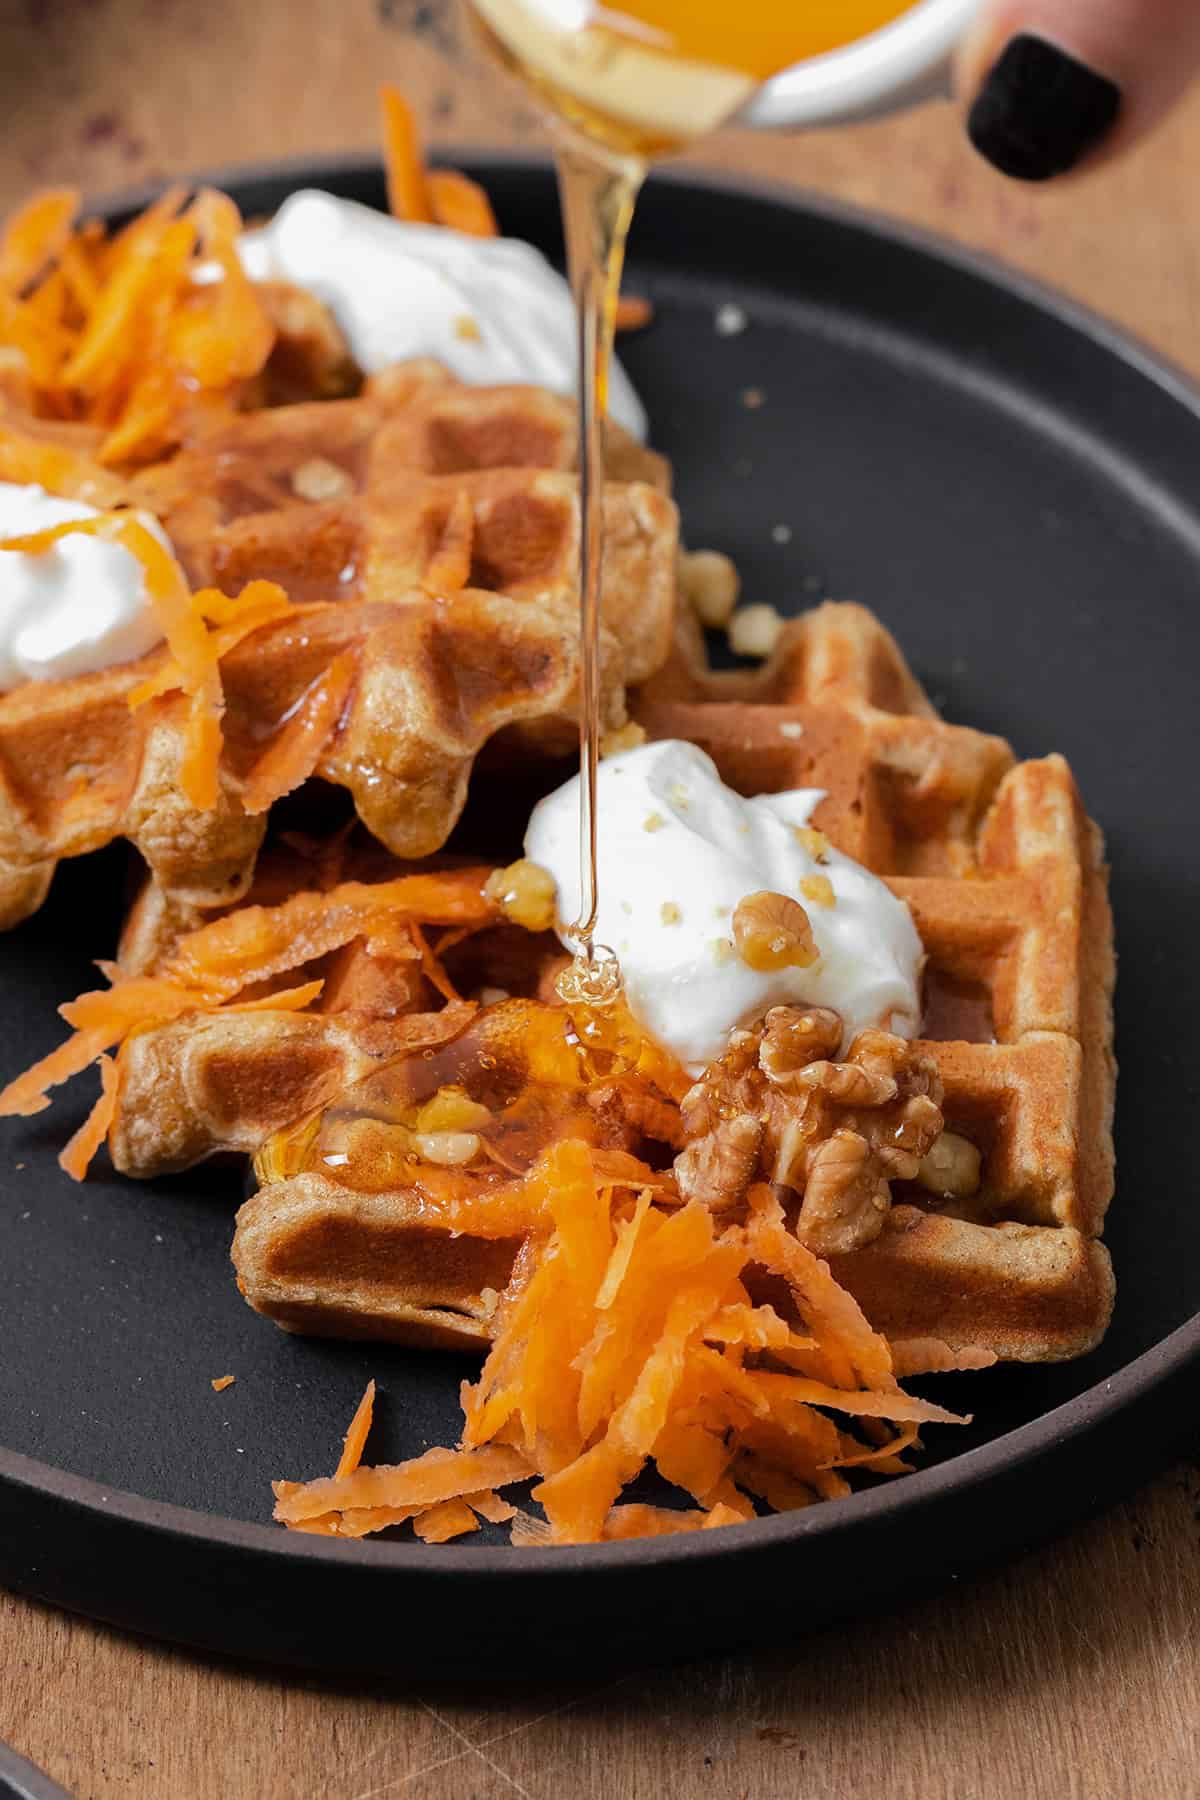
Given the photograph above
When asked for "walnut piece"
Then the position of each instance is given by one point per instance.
(950, 1167)
(754, 630)
(635, 1103)
(719, 1167)
(525, 893)
(450, 1149)
(710, 584)
(777, 1108)
(319, 479)
(792, 1039)
(772, 931)
(846, 1195)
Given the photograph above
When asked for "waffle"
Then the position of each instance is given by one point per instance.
(433, 530)
(208, 1085)
(1005, 878)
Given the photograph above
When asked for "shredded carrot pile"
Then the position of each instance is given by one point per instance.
(118, 332)
(630, 1335)
(212, 965)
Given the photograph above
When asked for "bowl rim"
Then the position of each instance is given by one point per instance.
(902, 62)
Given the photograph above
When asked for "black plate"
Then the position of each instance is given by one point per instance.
(1012, 486)
(21, 1780)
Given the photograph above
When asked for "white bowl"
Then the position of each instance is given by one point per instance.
(898, 66)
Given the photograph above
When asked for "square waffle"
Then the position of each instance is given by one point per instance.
(433, 530)
(1005, 878)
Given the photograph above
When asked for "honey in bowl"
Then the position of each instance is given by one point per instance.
(648, 76)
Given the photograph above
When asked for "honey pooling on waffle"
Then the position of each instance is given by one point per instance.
(477, 1112)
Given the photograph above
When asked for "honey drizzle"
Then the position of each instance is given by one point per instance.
(598, 194)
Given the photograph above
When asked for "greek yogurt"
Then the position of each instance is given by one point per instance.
(677, 851)
(491, 309)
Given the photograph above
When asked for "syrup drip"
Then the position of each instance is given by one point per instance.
(598, 194)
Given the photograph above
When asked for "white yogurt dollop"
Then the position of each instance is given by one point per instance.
(678, 850)
(491, 309)
(77, 607)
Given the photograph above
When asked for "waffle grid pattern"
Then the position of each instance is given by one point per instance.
(429, 529)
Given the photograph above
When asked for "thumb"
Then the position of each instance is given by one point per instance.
(1054, 83)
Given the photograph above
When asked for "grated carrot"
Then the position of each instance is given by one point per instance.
(297, 999)
(460, 203)
(232, 619)
(408, 196)
(357, 1433)
(59, 468)
(100, 1019)
(625, 1337)
(448, 1519)
(79, 1152)
(258, 942)
(450, 565)
(438, 1475)
(114, 331)
(929, 1356)
(220, 1382)
(297, 747)
(35, 236)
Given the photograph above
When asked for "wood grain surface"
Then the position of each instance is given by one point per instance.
(1074, 1673)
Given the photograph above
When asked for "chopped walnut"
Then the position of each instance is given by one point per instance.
(793, 1038)
(846, 1196)
(772, 931)
(719, 1167)
(319, 479)
(451, 1110)
(813, 842)
(710, 584)
(754, 630)
(646, 1112)
(450, 1149)
(837, 1133)
(950, 1167)
(525, 893)
(629, 736)
(818, 889)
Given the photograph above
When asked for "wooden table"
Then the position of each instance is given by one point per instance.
(1075, 1673)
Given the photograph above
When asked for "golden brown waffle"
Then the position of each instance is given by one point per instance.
(1005, 876)
(435, 527)
(324, 1261)
(224, 1082)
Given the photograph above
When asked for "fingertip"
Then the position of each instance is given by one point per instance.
(1039, 111)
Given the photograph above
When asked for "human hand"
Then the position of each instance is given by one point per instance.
(1053, 84)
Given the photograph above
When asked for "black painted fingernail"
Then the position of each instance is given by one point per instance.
(1040, 111)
